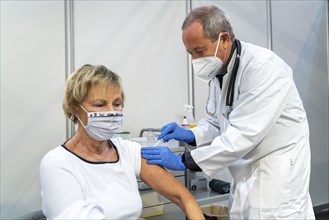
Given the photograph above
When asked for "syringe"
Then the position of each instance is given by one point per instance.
(158, 143)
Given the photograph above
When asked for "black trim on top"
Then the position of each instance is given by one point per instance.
(94, 162)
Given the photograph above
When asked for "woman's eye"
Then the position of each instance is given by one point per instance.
(99, 105)
(117, 105)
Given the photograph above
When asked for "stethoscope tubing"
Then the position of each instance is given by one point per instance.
(230, 91)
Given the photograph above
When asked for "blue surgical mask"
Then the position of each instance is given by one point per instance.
(102, 125)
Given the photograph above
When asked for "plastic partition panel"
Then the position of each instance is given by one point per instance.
(304, 48)
(32, 80)
(140, 41)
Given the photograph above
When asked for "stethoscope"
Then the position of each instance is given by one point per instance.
(230, 90)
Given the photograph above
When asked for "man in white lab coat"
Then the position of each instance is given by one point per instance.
(255, 124)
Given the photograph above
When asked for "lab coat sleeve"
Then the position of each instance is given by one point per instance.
(206, 130)
(62, 195)
(261, 96)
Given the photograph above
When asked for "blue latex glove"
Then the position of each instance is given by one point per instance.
(174, 131)
(163, 156)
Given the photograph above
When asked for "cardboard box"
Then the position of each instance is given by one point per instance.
(152, 205)
(216, 211)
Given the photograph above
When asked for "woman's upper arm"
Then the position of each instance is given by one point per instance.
(161, 180)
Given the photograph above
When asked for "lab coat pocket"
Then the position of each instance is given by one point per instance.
(211, 106)
(272, 187)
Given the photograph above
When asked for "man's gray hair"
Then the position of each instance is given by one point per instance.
(213, 21)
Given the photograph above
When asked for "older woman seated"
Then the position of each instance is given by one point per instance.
(93, 175)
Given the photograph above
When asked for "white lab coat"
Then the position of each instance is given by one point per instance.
(264, 143)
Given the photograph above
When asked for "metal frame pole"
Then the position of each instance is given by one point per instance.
(69, 53)
(190, 95)
(269, 24)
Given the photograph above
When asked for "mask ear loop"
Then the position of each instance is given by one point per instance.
(220, 35)
(84, 109)
(80, 121)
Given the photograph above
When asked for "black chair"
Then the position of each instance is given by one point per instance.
(36, 215)
(321, 212)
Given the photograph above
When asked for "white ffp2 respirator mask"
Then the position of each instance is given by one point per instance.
(102, 125)
(206, 68)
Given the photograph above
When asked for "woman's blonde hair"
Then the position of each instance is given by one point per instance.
(79, 83)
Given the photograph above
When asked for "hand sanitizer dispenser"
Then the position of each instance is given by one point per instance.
(188, 112)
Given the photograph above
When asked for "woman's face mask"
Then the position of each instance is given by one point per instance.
(102, 125)
(206, 68)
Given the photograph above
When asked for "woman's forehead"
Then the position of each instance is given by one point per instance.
(104, 91)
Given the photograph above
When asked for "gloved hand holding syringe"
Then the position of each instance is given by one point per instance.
(163, 156)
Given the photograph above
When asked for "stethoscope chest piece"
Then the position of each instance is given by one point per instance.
(227, 111)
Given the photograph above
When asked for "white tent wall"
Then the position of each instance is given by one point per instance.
(305, 48)
(32, 81)
(141, 41)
